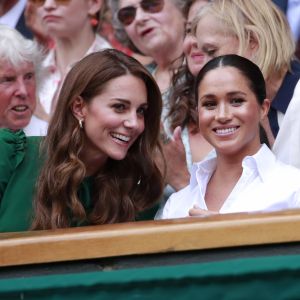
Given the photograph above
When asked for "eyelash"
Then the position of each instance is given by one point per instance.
(6, 79)
(237, 101)
(209, 104)
(210, 52)
(188, 31)
(119, 108)
(142, 111)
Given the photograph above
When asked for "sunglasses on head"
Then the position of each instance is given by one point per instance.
(127, 14)
(42, 2)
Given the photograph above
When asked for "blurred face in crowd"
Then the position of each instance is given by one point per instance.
(114, 119)
(17, 95)
(213, 40)
(229, 112)
(194, 56)
(153, 31)
(64, 17)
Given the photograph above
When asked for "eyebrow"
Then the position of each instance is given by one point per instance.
(234, 93)
(126, 101)
(121, 100)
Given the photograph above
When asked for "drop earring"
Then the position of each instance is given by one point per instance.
(80, 123)
(93, 20)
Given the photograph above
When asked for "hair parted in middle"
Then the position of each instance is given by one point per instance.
(247, 68)
(122, 188)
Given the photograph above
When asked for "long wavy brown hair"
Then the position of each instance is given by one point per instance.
(122, 188)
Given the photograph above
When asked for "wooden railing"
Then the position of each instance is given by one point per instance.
(230, 230)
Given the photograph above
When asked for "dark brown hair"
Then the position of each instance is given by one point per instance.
(122, 188)
(183, 108)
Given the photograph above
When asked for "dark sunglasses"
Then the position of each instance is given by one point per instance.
(42, 2)
(127, 14)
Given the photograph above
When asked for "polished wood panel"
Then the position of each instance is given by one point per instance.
(219, 231)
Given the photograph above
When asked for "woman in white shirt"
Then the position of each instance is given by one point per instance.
(245, 175)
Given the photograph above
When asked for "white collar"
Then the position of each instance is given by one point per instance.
(262, 162)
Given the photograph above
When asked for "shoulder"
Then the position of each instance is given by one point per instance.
(101, 43)
(14, 146)
(12, 142)
(284, 176)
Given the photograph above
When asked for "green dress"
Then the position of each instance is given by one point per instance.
(20, 164)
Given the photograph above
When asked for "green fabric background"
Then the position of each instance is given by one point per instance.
(276, 277)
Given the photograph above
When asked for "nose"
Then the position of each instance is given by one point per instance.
(48, 4)
(21, 89)
(131, 121)
(223, 113)
(188, 44)
(140, 15)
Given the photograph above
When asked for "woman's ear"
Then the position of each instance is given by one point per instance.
(265, 109)
(253, 45)
(94, 6)
(79, 108)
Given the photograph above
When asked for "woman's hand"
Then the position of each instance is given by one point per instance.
(177, 174)
(196, 211)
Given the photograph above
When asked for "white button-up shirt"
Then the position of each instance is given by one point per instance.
(266, 184)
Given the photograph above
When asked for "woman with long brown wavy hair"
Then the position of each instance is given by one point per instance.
(99, 152)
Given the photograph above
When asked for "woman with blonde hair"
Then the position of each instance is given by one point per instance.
(259, 31)
(96, 165)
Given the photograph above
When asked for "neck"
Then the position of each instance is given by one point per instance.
(232, 162)
(273, 83)
(71, 49)
(228, 169)
(164, 72)
(93, 163)
(93, 159)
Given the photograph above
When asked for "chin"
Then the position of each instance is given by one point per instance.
(118, 156)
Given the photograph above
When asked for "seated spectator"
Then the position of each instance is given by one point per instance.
(259, 31)
(245, 175)
(72, 26)
(106, 30)
(20, 70)
(34, 22)
(12, 14)
(155, 29)
(96, 164)
(187, 145)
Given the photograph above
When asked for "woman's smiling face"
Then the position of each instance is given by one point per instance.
(229, 112)
(114, 119)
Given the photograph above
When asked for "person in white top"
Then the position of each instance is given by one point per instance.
(72, 24)
(245, 175)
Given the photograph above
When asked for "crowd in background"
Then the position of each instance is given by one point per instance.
(71, 157)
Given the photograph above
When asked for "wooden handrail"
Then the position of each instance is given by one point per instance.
(219, 231)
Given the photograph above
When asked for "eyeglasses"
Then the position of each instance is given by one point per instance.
(126, 15)
(42, 2)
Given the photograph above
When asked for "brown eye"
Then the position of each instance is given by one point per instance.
(237, 101)
(209, 104)
(119, 107)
